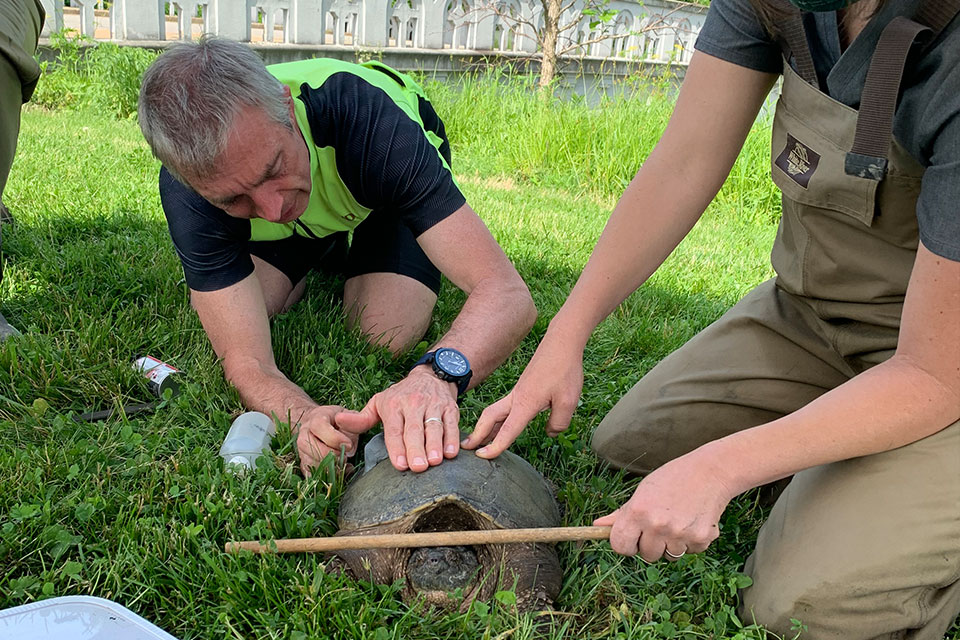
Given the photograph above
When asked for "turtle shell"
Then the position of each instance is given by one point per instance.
(506, 490)
(460, 494)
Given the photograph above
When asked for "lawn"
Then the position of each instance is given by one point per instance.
(138, 510)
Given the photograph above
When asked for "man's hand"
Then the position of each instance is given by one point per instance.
(420, 417)
(553, 380)
(317, 435)
(675, 510)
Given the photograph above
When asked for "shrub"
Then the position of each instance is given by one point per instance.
(100, 76)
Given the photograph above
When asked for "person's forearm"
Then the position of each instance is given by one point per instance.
(495, 318)
(718, 104)
(262, 387)
(892, 405)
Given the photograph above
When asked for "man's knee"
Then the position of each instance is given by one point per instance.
(397, 340)
(390, 310)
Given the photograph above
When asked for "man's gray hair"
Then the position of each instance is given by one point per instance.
(190, 96)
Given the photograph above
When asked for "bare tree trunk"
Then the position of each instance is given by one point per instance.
(550, 39)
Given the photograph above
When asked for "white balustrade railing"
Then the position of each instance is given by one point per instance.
(655, 30)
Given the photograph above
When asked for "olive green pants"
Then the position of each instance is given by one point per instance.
(865, 548)
(20, 24)
(9, 129)
(10, 101)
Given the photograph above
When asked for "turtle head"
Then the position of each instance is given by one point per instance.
(442, 568)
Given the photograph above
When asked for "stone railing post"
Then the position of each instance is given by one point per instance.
(270, 8)
(188, 9)
(530, 10)
(139, 20)
(374, 18)
(485, 20)
(434, 23)
(87, 26)
(307, 21)
(54, 21)
(230, 19)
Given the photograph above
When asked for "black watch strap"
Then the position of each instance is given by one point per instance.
(462, 382)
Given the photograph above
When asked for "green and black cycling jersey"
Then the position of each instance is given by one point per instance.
(376, 147)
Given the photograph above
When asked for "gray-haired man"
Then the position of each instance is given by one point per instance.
(267, 172)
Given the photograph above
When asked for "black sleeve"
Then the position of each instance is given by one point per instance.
(383, 156)
(210, 243)
(733, 32)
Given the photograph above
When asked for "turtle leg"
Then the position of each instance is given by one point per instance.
(376, 565)
(533, 571)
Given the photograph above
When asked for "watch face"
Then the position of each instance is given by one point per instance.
(452, 362)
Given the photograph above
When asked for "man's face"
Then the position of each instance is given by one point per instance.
(264, 171)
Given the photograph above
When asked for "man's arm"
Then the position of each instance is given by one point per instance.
(499, 310)
(496, 316)
(235, 320)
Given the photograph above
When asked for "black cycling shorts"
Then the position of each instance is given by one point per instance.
(381, 244)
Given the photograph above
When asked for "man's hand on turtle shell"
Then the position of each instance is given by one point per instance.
(420, 420)
(317, 436)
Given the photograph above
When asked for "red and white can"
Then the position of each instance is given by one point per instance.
(160, 375)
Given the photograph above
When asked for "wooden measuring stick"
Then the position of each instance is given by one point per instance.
(431, 539)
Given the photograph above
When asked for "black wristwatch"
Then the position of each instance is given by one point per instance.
(450, 365)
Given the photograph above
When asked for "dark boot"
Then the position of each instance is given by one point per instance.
(5, 215)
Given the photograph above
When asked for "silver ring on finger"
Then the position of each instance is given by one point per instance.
(428, 420)
(675, 556)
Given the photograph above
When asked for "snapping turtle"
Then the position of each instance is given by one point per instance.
(464, 493)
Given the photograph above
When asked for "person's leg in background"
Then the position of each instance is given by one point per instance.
(9, 127)
(20, 25)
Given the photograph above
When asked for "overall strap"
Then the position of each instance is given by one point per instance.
(881, 91)
(937, 15)
(793, 40)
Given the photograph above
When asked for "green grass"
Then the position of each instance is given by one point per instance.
(138, 510)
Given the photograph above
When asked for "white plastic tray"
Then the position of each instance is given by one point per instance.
(76, 618)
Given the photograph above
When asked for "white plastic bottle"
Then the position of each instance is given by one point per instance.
(248, 437)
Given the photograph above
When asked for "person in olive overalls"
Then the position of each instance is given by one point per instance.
(20, 25)
(844, 370)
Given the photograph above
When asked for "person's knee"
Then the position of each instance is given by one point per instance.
(783, 609)
(838, 607)
(628, 437)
